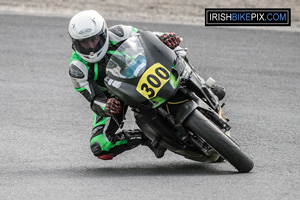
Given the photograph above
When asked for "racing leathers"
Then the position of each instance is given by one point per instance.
(88, 79)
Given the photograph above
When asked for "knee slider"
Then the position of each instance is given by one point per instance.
(106, 157)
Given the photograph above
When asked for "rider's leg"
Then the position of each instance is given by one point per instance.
(105, 144)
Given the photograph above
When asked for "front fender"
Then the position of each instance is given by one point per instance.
(188, 107)
(184, 111)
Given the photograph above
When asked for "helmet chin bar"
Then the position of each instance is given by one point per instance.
(92, 57)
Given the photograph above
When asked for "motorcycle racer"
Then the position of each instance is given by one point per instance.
(93, 44)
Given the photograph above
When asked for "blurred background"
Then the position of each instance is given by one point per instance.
(179, 11)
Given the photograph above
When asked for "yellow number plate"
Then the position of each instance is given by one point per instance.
(153, 80)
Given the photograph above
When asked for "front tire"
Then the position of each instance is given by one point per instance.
(225, 146)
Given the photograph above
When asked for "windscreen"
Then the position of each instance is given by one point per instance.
(128, 61)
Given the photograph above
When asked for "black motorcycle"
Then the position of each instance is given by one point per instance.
(173, 106)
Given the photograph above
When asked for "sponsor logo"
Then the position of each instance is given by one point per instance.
(85, 31)
(247, 17)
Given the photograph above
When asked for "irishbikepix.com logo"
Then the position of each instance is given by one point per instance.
(247, 17)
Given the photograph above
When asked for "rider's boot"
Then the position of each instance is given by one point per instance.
(158, 151)
(136, 137)
(218, 91)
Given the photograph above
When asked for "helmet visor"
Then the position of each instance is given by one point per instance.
(91, 45)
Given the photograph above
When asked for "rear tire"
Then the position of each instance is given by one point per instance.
(225, 146)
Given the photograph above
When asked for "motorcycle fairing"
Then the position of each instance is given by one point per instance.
(155, 80)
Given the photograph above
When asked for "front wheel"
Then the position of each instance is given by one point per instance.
(228, 149)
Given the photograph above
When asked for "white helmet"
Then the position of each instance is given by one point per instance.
(87, 24)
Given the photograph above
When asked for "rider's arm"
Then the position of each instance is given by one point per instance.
(88, 88)
(119, 33)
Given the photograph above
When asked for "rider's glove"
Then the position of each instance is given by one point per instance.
(170, 39)
(113, 106)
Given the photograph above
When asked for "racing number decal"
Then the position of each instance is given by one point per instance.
(153, 80)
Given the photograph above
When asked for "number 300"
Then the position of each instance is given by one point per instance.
(153, 80)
